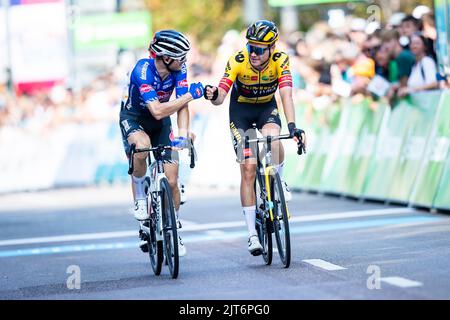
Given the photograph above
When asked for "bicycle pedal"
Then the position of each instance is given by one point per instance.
(256, 253)
(144, 247)
(143, 236)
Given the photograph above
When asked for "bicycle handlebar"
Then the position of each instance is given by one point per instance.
(133, 149)
(300, 145)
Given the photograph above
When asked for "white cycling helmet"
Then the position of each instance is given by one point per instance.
(170, 43)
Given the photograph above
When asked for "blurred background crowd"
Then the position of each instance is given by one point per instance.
(340, 55)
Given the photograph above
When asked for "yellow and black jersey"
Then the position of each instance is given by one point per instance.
(254, 86)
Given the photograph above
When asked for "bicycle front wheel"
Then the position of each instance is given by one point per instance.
(280, 219)
(169, 228)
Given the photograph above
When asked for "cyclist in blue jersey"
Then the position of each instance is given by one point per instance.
(146, 109)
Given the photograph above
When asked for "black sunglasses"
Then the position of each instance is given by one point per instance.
(257, 50)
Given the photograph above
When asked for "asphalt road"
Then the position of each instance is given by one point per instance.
(341, 249)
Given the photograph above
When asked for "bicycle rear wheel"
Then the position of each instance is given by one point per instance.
(170, 228)
(263, 224)
(280, 219)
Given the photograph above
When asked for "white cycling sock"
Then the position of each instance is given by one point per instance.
(280, 169)
(139, 187)
(250, 219)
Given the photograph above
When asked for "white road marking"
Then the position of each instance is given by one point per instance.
(192, 226)
(230, 235)
(71, 237)
(217, 233)
(186, 223)
(401, 282)
(324, 264)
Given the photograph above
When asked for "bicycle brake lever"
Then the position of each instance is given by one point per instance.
(301, 148)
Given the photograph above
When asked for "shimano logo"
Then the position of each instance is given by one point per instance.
(144, 71)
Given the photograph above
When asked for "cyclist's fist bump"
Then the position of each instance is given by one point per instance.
(211, 92)
(196, 90)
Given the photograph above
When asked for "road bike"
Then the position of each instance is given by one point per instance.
(160, 230)
(272, 213)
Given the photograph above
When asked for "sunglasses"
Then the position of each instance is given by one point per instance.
(181, 59)
(257, 50)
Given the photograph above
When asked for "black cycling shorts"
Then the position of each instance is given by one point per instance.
(160, 133)
(242, 118)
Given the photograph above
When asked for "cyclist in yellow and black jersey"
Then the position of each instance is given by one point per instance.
(254, 75)
(252, 85)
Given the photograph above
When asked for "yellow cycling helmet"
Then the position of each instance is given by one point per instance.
(262, 32)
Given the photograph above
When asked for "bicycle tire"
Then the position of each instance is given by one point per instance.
(280, 219)
(263, 224)
(169, 229)
(155, 251)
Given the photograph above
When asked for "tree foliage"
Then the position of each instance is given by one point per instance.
(205, 20)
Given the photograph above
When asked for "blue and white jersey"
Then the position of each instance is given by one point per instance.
(145, 85)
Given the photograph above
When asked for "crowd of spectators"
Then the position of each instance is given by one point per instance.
(42, 110)
(327, 62)
(360, 58)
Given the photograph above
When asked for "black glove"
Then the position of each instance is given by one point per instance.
(293, 131)
(215, 95)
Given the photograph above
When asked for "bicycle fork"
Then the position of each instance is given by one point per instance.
(156, 208)
(270, 204)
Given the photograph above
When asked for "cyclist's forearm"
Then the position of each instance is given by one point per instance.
(161, 110)
(288, 104)
(183, 121)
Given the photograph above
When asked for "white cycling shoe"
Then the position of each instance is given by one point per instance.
(254, 246)
(141, 210)
(286, 191)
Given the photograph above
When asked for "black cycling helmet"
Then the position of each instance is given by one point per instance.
(262, 32)
(170, 43)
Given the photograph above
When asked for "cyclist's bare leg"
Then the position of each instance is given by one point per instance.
(248, 175)
(171, 171)
(141, 140)
(273, 129)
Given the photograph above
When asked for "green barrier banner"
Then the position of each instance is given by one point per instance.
(442, 200)
(441, 152)
(420, 119)
(387, 153)
(124, 29)
(365, 149)
(293, 163)
(327, 123)
(337, 167)
(437, 148)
